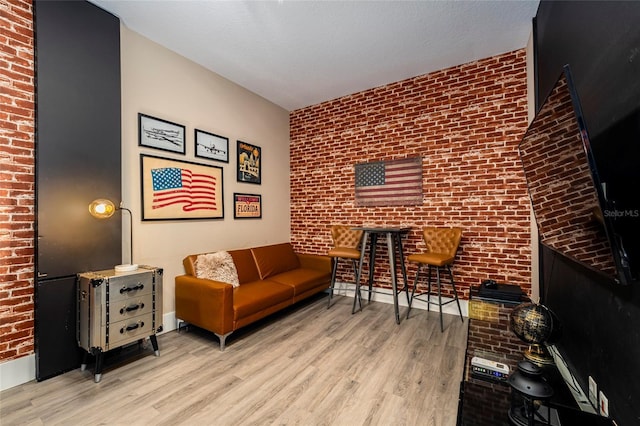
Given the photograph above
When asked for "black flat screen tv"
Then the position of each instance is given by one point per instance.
(573, 214)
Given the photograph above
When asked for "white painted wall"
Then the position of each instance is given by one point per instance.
(160, 83)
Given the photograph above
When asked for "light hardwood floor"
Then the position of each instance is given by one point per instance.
(305, 366)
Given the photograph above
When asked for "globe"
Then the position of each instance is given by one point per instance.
(533, 324)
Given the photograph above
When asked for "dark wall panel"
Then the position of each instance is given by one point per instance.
(601, 43)
(77, 160)
(77, 135)
(600, 334)
(55, 340)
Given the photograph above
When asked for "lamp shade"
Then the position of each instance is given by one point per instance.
(102, 208)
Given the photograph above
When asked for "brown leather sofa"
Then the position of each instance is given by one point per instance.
(270, 279)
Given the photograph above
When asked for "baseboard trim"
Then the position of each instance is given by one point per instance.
(385, 295)
(168, 322)
(22, 370)
(17, 371)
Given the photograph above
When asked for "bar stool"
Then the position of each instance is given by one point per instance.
(346, 245)
(442, 245)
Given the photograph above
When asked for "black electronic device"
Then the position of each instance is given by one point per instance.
(487, 369)
(491, 284)
(490, 289)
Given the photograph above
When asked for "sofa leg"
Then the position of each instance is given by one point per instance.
(180, 324)
(223, 338)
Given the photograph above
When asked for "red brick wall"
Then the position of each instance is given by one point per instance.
(466, 123)
(17, 160)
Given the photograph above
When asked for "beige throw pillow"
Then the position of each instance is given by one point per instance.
(217, 266)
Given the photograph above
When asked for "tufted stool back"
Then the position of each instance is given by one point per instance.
(344, 236)
(442, 240)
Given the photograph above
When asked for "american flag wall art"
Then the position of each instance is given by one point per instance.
(180, 190)
(389, 183)
(174, 185)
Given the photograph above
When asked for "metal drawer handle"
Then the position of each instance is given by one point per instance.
(131, 308)
(139, 286)
(131, 327)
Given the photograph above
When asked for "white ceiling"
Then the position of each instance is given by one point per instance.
(300, 53)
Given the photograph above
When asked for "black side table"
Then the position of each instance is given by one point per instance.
(485, 401)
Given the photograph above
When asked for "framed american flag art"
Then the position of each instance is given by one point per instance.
(173, 189)
(389, 183)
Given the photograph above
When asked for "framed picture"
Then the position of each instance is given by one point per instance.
(247, 206)
(212, 146)
(249, 163)
(173, 189)
(160, 134)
